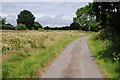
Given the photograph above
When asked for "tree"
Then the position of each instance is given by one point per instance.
(108, 14)
(37, 25)
(9, 24)
(47, 28)
(27, 18)
(75, 26)
(86, 18)
(2, 20)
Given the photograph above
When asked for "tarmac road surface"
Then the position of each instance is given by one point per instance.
(75, 61)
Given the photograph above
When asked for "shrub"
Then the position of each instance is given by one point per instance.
(21, 27)
(112, 41)
(8, 27)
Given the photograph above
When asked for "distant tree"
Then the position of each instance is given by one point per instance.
(75, 26)
(47, 27)
(27, 18)
(2, 20)
(5, 26)
(37, 25)
(9, 24)
(65, 28)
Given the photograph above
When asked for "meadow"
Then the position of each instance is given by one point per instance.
(26, 54)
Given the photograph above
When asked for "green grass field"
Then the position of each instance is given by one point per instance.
(27, 54)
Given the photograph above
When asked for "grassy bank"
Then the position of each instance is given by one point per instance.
(103, 52)
(28, 62)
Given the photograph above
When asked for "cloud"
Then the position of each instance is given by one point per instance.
(44, 15)
(39, 15)
(58, 0)
(10, 17)
(47, 0)
(7, 14)
(52, 13)
(52, 16)
(4, 14)
(66, 17)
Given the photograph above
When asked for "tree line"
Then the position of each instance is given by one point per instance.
(92, 17)
(26, 20)
(99, 15)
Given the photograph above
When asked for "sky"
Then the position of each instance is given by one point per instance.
(47, 0)
(53, 14)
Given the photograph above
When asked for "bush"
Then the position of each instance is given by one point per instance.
(106, 34)
(112, 41)
(8, 27)
(102, 35)
(21, 27)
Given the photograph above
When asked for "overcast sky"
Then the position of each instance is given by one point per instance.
(47, 13)
(47, 0)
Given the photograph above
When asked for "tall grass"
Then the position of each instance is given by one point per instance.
(105, 49)
(29, 62)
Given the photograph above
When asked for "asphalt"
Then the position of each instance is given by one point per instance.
(75, 61)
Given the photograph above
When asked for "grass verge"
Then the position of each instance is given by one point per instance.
(100, 51)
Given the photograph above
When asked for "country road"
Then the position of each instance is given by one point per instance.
(75, 61)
